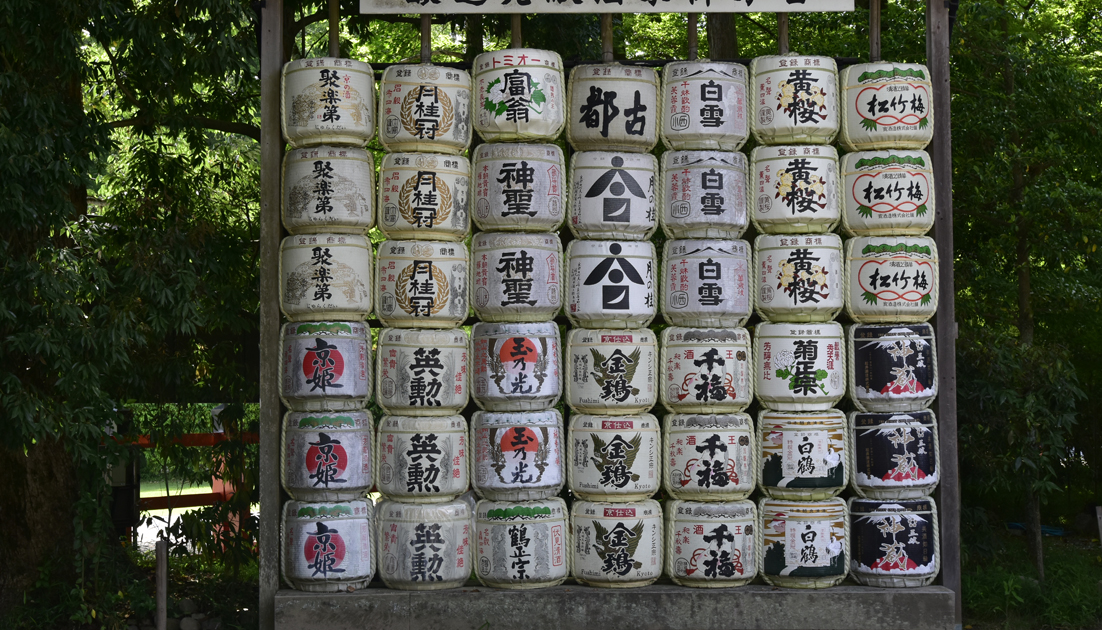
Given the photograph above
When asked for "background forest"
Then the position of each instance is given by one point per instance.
(129, 164)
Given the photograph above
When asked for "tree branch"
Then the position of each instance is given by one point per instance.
(761, 26)
(243, 129)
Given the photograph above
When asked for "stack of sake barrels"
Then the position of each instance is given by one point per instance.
(325, 269)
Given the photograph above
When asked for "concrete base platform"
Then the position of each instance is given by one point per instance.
(658, 607)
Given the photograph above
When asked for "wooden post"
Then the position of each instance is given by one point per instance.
(782, 33)
(606, 38)
(514, 29)
(334, 28)
(426, 38)
(874, 30)
(694, 42)
(162, 584)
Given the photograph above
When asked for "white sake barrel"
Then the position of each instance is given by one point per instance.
(704, 105)
(798, 277)
(519, 187)
(613, 195)
(327, 456)
(422, 284)
(895, 455)
(425, 196)
(711, 545)
(613, 108)
(327, 101)
(614, 458)
(886, 105)
(710, 457)
(516, 366)
(704, 194)
(892, 367)
(325, 277)
(326, 366)
(617, 545)
(887, 193)
(522, 95)
(794, 99)
(424, 547)
(518, 455)
(707, 370)
(611, 371)
(517, 276)
(804, 544)
(794, 189)
(803, 455)
(610, 284)
(891, 279)
(799, 367)
(422, 459)
(328, 189)
(523, 545)
(422, 372)
(895, 543)
(327, 546)
(706, 282)
(425, 108)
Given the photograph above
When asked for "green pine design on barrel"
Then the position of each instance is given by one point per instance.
(912, 73)
(869, 297)
(519, 510)
(323, 327)
(312, 422)
(323, 511)
(891, 160)
(900, 248)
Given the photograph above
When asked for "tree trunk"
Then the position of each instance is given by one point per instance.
(722, 36)
(474, 38)
(1033, 534)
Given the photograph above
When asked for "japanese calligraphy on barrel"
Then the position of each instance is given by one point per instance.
(710, 457)
(613, 195)
(422, 284)
(804, 544)
(522, 545)
(799, 367)
(522, 95)
(516, 366)
(803, 455)
(893, 367)
(519, 187)
(611, 371)
(887, 193)
(711, 545)
(424, 547)
(425, 196)
(895, 455)
(706, 282)
(327, 547)
(518, 455)
(517, 276)
(614, 458)
(794, 99)
(326, 366)
(707, 370)
(327, 456)
(325, 277)
(703, 194)
(425, 108)
(422, 372)
(794, 189)
(895, 543)
(610, 283)
(891, 279)
(704, 106)
(422, 459)
(613, 108)
(617, 545)
(328, 189)
(798, 278)
(886, 105)
(327, 101)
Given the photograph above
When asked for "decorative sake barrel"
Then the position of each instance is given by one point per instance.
(799, 367)
(327, 456)
(425, 196)
(895, 543)
(517, 277)
(805, 544)
(887, 193)
(522, 545)
(422, 459)
(422, 285)
(799, 278)
(895, 455)
(803, 455)
(794, 189)
(424, 547)
(794, 99)
(614, 458)
(519, 187)
(892, 367)
(611, 372)
(422, 372)
(516, 366)
(518, 455)
(706, 282)
(891, 279)
(711, 545)
(617, 545)
(522, 95)
(327, 101)
(613, 108)
(326, 366)
(711, 457)
(328, 189)
(703, 194)
(325, 277)
(613, 195)
(704, 106)
(886, 105)
(610, 284)
(327, 545)
(707, 370)
(425, 108)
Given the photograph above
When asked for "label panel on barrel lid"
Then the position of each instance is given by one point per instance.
(707, 370)
(617, 543)
(891, 279)
(517, 277)
(794, 189)
(614, 458)
(805, 543)
(711, 542)
(887, 193)
(613, 195)
(886, 106)
(518, 456)
(519, 187)
(327, 456)
(704, 194)
(422, 458)
(610, 283)
(704, 105)
(799, 278)
(424, 196)
(895, 454)
(326, 366)
(522, 95)
(893, 542)
(328, 100)
(424, 547)
(706, 283)
(516, 366)
(795, 99)
(422, 285)
(325, 276)
(613, 108)
(611, 371)
(894, 366)
(328, 189)
(710, 457)
(422, 372)
(522, 545)
(425, 108)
